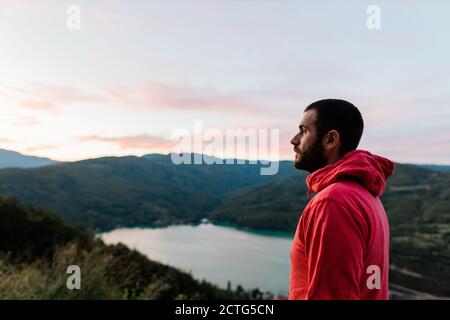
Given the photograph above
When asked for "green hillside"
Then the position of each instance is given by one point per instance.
(109, 192)
(435, 167)
(36, 247)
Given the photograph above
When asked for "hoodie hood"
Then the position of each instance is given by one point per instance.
(370, 170)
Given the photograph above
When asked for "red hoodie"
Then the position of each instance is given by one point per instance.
(341, 245)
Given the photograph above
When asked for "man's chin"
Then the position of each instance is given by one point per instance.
(298, 164)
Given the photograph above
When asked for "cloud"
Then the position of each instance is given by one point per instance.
(27, 121)
(429, 148)
(151, 95)
(38, 105)
(59, 94)
(48, 98)
(41, 147)
(6, 140)
(36, 7)
(142, 141)
(161, 96)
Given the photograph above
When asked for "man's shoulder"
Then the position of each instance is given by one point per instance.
(338, 199)
(341, 193)
(339, 190)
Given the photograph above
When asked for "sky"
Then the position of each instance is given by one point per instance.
(136, 71)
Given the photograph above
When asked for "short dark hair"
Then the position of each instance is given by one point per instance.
(342, 116)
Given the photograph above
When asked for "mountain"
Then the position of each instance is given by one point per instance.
(12, 159)
(435, 167)
(108, 192)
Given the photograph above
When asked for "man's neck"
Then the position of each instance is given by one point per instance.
(333, 158)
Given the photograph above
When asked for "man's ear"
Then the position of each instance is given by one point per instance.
(332, 139)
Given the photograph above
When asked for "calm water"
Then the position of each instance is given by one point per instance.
(215, 253)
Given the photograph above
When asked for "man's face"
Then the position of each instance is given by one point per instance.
(309, 152)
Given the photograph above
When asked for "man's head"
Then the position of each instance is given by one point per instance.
(329, 129)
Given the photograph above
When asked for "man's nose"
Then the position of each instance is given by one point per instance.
(295, 140)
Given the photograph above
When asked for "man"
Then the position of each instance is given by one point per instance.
(341, 244)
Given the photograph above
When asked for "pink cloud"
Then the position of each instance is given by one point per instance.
(48, 98)
(6, 140)
(170, 97)
(38, 105)
(142, 141)
(414, 145)
(152, 95)
(42, 147)
(60, 94)
(429, 148)
(37, 7)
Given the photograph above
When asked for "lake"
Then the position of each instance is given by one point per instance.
(215, 253)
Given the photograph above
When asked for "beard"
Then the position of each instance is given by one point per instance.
(311, 159)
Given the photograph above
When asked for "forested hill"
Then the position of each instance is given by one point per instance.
(36, 247)
(105, 193)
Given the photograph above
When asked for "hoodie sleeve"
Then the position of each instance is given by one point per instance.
(334, 243)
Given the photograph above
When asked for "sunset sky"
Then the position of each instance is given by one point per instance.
(138, 70)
